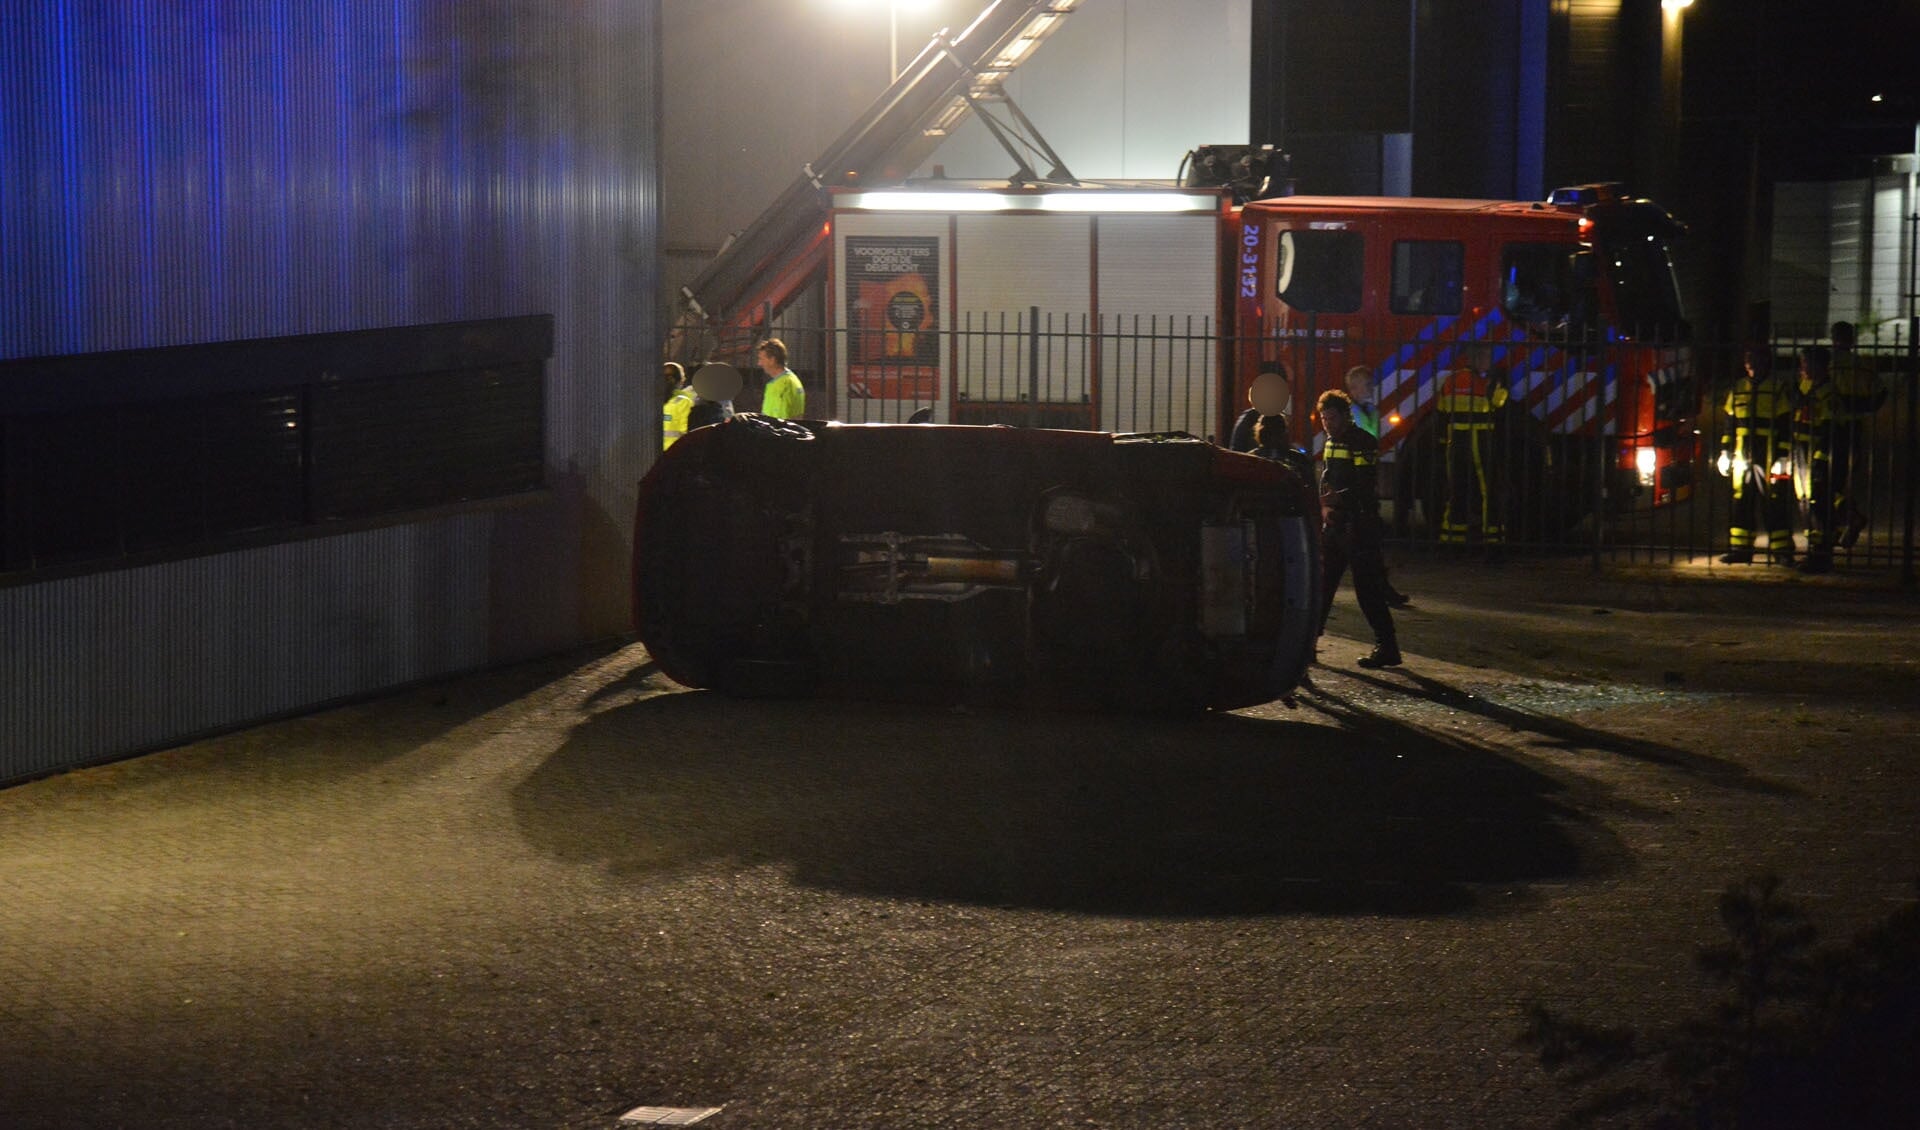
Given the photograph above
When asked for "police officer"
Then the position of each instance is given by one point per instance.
(1465, 406)
(680, 399)
(1352, 534)
(1756, 436)
(1366, 415)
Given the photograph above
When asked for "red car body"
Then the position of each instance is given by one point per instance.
(976, 564)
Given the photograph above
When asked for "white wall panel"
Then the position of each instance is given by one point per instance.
(1009, 263)
(1159, 284)
(1124, 89)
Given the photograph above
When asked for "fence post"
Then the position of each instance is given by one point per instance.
(1908, 452)
(1602, 467)
(1033, 366)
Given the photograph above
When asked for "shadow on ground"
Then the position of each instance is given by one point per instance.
(1219, 815)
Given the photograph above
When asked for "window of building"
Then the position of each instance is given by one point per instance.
(111, 457)
(1427, 276)
(1320, 271)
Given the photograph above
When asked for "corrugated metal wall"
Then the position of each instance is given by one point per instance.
(202, 170)
(1839, 253)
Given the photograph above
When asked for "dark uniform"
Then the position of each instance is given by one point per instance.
(1466, 407)
(1242, 438)
(1352, 535)
(1756, 437)
(1857, 395)
(1813, 458)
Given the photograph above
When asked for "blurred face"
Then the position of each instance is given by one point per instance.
(768, 365)
(1337, 418)
(1360, 387)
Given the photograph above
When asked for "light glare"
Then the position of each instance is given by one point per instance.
(1096, 201)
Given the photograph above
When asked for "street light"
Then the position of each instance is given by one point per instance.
(893, 27)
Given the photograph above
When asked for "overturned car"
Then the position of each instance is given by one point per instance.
(975, 564)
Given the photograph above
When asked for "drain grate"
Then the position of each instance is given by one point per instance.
(668, 1115)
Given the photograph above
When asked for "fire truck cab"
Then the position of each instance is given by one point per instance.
(1571, 301)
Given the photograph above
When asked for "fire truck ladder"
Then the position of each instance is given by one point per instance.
(767, 263)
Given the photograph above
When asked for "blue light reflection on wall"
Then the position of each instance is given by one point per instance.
(201, 170)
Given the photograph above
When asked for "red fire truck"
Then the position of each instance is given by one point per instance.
(1146, 307)
(1572, 302)
(1153, 306)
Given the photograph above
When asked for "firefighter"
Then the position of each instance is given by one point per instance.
(1352, 532)
(1857, 395)
(680, 398)
(1756, 434)
(1466, 404)
(1812, 439)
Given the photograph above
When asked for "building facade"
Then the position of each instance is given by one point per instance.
(327, 351)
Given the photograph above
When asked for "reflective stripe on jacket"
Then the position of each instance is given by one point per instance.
(1347, 479)
(1756, 410)
(673, 416)
(1467, 401)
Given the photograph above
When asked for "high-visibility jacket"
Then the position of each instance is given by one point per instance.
(1857, 391)
(1813, 419)
(1348, 478)
(1756, 420)
(785, 397)
(673, 416)
(1468, 400)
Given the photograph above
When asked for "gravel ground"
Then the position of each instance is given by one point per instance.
(543, 896)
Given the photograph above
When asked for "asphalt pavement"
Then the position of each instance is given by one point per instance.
(548, 895)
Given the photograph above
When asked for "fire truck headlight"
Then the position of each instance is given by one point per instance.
(1644, 461)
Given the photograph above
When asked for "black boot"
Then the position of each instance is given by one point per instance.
(1383, 655)
(1737, 557)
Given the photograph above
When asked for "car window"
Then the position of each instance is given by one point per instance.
(1427, 275)
(1320, 272)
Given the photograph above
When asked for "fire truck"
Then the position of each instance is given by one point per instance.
(1570, 302)
(1152, 306)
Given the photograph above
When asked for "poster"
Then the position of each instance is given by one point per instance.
(893, 317)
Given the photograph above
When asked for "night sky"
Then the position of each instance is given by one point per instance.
(1810, 70)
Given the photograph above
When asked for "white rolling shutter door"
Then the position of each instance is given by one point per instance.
(1158, 301)
(1007, 264)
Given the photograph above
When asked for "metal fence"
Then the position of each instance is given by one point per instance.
(1607, 445)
